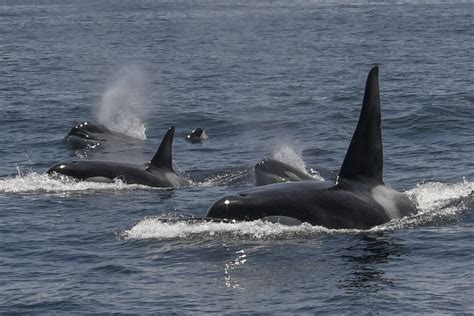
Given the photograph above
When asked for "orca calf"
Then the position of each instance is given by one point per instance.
(359, 198)
(158, 173)
(90, 135)
(268, 171)
(196, 136)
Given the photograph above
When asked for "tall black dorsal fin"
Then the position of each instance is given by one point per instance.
(364, 157)
(163, 158)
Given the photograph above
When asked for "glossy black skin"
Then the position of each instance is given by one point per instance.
(321, 203)
(131, 174)
(88, 134)
(269, 171)
(196, 136)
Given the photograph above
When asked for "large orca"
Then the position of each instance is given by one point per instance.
(359, 198)
(268, 171)
(158, 173)
(91, 135)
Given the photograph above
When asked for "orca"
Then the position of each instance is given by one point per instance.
(91, 135)
(268, 171)
(196, 136)
(358, 199)
(158, 173)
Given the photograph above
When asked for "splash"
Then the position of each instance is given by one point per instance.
(42, 183)
(123, 104)
(161, 228)
(436, 202)
(288, 155)
(436, 195)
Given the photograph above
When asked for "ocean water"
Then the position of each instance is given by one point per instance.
(276, 78)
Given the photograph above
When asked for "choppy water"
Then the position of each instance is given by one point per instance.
(267, 78)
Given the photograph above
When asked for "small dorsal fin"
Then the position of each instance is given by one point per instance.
(163, 158)
(364, 157)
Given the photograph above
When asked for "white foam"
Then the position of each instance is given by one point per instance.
(42, 183)
(435, 201)
(434, 195)
(157, 228)
(123, 104)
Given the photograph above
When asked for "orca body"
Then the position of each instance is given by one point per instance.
(269, 171)
(91, 135)
(359, 198)
(196, 136)
(159, 172)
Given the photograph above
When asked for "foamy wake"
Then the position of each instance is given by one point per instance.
(161, 228)
(32, 182)
(42, 183)
(436, 201)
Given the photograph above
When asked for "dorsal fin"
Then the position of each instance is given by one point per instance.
(163, 158)
(364, 157)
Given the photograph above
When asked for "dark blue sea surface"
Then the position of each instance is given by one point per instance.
(277, 79)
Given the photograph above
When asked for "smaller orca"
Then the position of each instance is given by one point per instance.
(158, 173)
(268, 171)
(196, 136)
(91, 135)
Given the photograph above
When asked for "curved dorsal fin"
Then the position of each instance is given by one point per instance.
(163, 158)
(364, 157)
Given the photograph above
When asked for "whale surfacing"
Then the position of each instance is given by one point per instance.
(158, 173)
(268, 171)
(358, 199)
(90, 135)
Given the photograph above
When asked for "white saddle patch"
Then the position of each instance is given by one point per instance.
(386, 197)
(175, 180)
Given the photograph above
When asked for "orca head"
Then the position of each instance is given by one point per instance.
(197, 135)
(72, 169)
(277, 199)
(82, 170)
(268, 171)
(243, 207)
(236, 207)
(87, 130)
